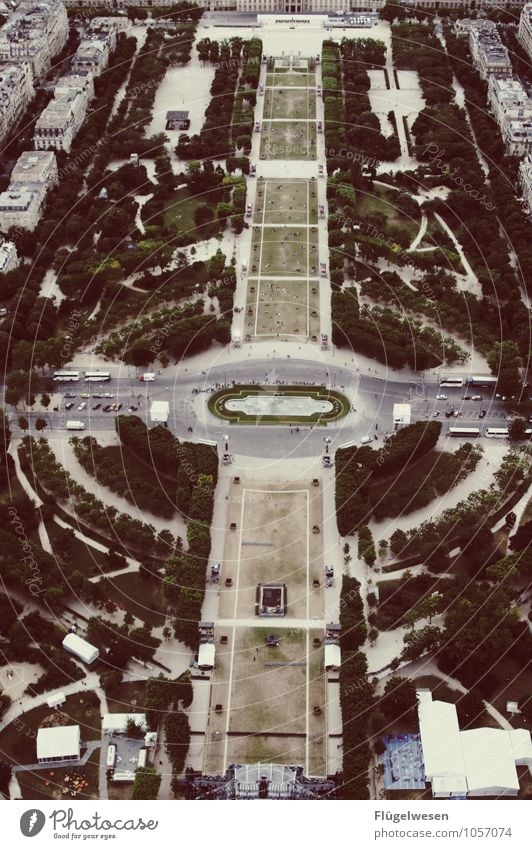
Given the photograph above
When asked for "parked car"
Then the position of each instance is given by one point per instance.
(69, 405)
(366, 439)
(476, 397)
(96, 406)
(70, 394)
(482, 414)
(320, 127)
(436, 413)
(441, 397)
(82, 406)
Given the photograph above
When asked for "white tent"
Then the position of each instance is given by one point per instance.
(116, 723)
(80, 648)
(206, 655)
(479, 762)
(402, 415)
(159, 412)
(58, 744)
(333, 657)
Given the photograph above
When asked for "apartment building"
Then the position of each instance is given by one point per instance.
(33, 175)
(525, 181)
(524, 32)
(8, 257)
(92, 56)
(517, 136)
(508, 99)
(60, 121)
(16, 91)
(487, 52)
(35, 33)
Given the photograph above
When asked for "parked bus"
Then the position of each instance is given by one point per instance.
(497, 432)
(471, 432)
(111, 755)
(75, 425)
(483, 380)
(148, 376)
(142, 758)
(66, 376)
(452, 381)
(97, 376)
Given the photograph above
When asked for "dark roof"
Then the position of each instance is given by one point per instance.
(174, 115)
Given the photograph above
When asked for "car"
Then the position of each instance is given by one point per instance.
(436, 413)
(253, 171)
(261, 89)
(107, 408)
(249, 210)
(70, 394)
(98, 395)
(323, 269)
(320, 170)
(82, 406)
(257, 126)
(96, 406)
(482, 414)
(441, 397)
(476, 397)
(85, 395)
(119, 407)
(448, 414)
(365, 439)
(107, 395)
(132, 409)
(322, 210)
(466, 398)
(69, 405)
(318, 90)
(320, 127)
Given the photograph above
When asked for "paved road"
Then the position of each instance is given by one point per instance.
(372, 399)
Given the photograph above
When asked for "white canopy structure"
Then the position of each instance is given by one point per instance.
(116, 723)
(80, 648)
(58, 744)
(159, 412)
(402, 415)
(206, 655)
(479, 762)
(333, 656)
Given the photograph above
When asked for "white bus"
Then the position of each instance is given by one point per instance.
(483, 380)
(75, 425)
(66, 376)
(497, 432)
(452, 382)
(142, 758)
(469, 432)
(148, 376)
(97, 376)
(111, 755)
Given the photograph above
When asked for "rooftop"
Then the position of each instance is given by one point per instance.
(33, 166)
(60, 742)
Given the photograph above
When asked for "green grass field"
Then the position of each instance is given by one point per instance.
(140, 597)
(283, 308)
(289, 103)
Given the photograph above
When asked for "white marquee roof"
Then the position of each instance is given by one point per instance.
(60, 742)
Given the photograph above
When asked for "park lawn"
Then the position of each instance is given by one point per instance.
(397, 597)
(141, 597)
(288, 140)
(49, 783)
(383, 201)
(179, 214)
(129, 697)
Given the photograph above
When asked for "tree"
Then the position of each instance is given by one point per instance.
(399, 701)
(504, 361)
(398, 542)
(45, 400)
(40, 423)
(147, 783)
(517, 429)
(23, 423)
(5, 778)
(134, 730)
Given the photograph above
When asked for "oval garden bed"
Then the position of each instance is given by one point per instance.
(298, 405)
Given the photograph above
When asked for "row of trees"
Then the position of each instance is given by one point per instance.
(357, 468)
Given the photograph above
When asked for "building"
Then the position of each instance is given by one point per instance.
(402, 415)
(116, 723)
(177, 120)
(16, 91)
(468, 764)
(524, 32)
(333, 656)
(517, 136)
(525, 181)
(508, 99)
(61, 120)
(92, 55)
(8, 257)
(35, 33)
(82, 649)
(487, 52)
(33, 175)
(159, 412)
(58, 744)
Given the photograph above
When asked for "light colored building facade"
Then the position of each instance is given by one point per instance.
(517, 136)
(487, 52)
(16, 91)
(92, 56)
(512, 109)
(35, 33)
(58, 124)
(525, 181)
(524, 33)
(33, 175)
(8, 257)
